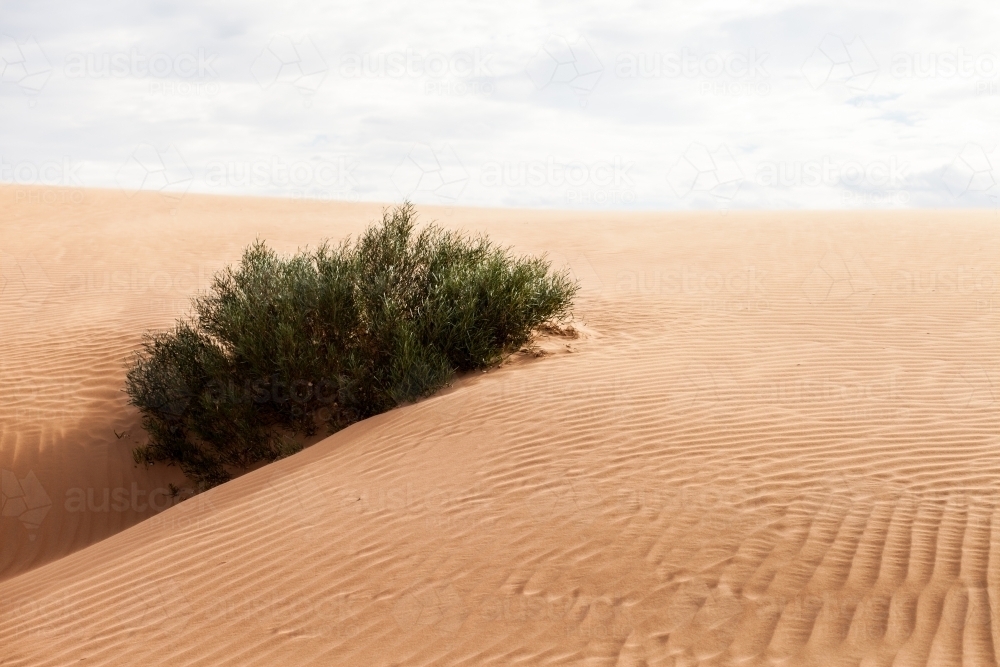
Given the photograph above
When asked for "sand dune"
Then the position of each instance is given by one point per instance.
(776, 442)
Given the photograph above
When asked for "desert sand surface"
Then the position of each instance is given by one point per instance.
(775, 442)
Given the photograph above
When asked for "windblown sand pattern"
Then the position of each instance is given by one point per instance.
(775, 442)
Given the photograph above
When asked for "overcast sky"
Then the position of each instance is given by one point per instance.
(607, 105)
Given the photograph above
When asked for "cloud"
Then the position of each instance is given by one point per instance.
(511, 84)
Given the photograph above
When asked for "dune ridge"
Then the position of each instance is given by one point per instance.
(775, 443)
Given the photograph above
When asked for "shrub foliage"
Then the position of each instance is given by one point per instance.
(280, 347)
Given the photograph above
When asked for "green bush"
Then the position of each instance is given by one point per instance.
(281, 347)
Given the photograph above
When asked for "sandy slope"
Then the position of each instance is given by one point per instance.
(778, 444)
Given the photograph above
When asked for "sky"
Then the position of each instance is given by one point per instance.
(713, 105)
